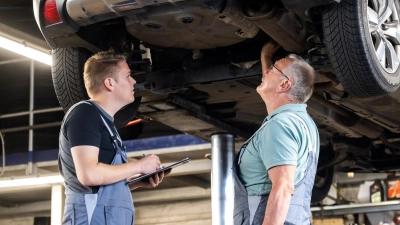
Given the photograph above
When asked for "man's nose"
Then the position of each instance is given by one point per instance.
(133, 81)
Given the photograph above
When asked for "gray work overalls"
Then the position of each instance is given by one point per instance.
(250, 210)
(112, 204)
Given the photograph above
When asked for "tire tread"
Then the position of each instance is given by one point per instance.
(67, 72)
(348, 51)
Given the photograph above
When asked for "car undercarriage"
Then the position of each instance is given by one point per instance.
(199, 61)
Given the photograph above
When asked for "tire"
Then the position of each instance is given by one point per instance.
(351, 47)
(321, 189)
(324, 175)
(67, 74)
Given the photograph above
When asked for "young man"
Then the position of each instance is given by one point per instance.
(276, 166)
(92, 158)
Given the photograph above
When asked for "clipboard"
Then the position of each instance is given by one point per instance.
(144, 176)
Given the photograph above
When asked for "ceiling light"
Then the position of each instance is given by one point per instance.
(23, 49)
(31, 181)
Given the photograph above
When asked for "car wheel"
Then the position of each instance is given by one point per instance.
(324, 176)
(363, 42)
(67, 73)
(322, 184)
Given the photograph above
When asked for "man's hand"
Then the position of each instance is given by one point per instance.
(148, 164)
(269, 48)
(151, 182)
(157, 178)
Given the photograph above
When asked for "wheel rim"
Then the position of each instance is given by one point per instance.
(384, 28)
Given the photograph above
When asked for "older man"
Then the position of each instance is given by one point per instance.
(276, 167)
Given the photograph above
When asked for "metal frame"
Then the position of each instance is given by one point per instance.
(355, 208)
(31, 112)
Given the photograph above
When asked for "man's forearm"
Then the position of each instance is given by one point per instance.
(92, 173)
(277, 206)
(266, 62)
(267, 53)
(103, 174)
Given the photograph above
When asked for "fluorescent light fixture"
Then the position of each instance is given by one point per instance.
(31, 181)
(25, 50)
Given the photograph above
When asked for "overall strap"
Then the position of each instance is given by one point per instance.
(311, 146)
(117, 141)
(248, 140)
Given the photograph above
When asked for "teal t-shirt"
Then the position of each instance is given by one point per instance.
(283, 141)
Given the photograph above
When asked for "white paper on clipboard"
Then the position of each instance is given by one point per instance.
(144, 176)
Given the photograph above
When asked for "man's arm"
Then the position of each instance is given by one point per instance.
(91, 172)
(267, 52)
(282, 178)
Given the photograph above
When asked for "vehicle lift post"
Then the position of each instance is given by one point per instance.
(222, 183)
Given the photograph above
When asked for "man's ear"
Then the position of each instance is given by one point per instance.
(108, 83)
(284, 86)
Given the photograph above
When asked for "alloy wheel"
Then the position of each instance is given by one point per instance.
(384, 27)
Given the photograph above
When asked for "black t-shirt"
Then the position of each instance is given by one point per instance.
(84, 126)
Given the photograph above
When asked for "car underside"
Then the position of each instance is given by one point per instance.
(196, 64)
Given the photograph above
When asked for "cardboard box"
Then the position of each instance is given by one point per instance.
(328, 221)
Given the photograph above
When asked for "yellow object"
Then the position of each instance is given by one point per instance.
(328, 221)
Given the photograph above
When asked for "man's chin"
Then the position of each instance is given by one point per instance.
(130, 101)
(258, 89)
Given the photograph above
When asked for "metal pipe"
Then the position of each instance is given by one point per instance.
(325, 86)
(222, 183)
(200, 113)
(345, 113)
(3, 155)
(13, 61)
(28, 112)
(31, 105)
(39, 126)
(346, 209)
(352, 120)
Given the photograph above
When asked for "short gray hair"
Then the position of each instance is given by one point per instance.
(302, 77)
